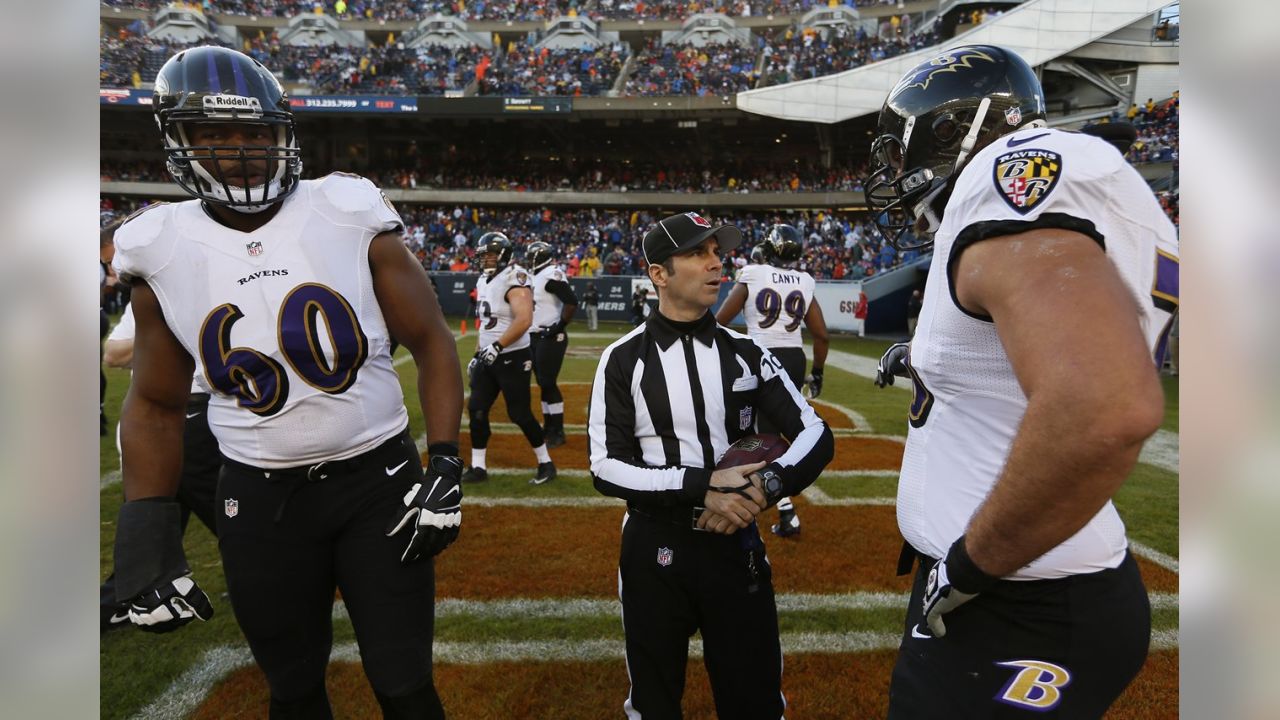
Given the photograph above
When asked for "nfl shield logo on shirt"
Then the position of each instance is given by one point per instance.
(254, 248)
(231, 506)
(664, 556)
(744, 418)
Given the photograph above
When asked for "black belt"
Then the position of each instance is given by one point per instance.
(322, 469)
(682, 516)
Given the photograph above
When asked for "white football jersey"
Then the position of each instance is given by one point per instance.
(493, 309)
(968, 403)
(777, 300)
(282, 322)
(547, 307)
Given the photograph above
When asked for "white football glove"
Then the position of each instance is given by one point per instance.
(953, 581)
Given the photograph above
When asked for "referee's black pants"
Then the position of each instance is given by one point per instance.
(291, 538)
(1062, 648)
(548, 357)
(673, 581)
(509, 375)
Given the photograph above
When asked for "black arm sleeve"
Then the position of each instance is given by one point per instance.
(562, 290)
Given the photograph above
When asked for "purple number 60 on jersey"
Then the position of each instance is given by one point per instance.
(258, 381)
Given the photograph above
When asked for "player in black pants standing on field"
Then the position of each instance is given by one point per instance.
(553, 306)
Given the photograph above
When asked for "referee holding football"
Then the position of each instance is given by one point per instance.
(668, 399)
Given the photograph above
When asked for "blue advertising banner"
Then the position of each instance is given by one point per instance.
(124, 96)
(354, 103)
(299, 103)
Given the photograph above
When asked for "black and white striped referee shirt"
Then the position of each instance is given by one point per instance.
(670, 398)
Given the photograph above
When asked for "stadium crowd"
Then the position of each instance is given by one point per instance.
(712, 69)
(526, 70)
(594, 242)
(515, 10)
(128, 58)
(808, 54)
(1157, 126)
(745, 177)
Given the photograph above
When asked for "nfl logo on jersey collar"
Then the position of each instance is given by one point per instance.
(254, 248)
(664, 556)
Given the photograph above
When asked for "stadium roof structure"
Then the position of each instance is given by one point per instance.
(1038, 30)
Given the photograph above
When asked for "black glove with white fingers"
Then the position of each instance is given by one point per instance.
(893, 362)
(953, 581)
(152, 576)
(434, 507)
(813, 383)
(489, 353)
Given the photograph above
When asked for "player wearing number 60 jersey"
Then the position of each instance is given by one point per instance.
(283, 295)
(777, 300)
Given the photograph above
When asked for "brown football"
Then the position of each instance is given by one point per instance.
(761, 447)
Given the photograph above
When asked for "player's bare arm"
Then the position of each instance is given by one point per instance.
(414, 318)
(816, 324)
(117, 353)
(153, 415)
(1093, 395)
(521, 301)
(732, 304)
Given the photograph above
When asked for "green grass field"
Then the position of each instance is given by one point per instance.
(139, 669)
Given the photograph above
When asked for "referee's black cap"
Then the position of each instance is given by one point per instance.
(679, 233)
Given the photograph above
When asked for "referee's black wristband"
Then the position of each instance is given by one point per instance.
(963, 573)
(442, 448)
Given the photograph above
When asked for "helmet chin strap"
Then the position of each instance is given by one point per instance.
(971, 138)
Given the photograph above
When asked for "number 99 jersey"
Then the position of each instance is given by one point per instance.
(777, 300)
(282, 322)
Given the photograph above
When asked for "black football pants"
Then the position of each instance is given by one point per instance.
(1062, 648)
(509, 375)
(292, 539)
(675, 581)
(548, 357)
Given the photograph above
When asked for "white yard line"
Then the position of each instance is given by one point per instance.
(186, 693)
(815, 495)
(1165, 561)
(1161, 450)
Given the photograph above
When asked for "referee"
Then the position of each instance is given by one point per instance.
(668, 399)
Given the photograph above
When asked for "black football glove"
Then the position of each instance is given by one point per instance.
(953, 581)
(152, 576)
(813, 383)
(171, 606)
(435, 508)
(489, 353)
(893, 362)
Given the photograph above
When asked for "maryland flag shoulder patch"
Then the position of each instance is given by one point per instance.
(1026, 177)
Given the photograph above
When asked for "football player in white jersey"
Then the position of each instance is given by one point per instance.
(282, 295)
(503, 361)
(553, 307)
(1034, 365)
(777, 298)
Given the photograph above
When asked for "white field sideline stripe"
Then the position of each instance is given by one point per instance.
(815, 495)
(189, 690)
(569, 608)
(1165, 561)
